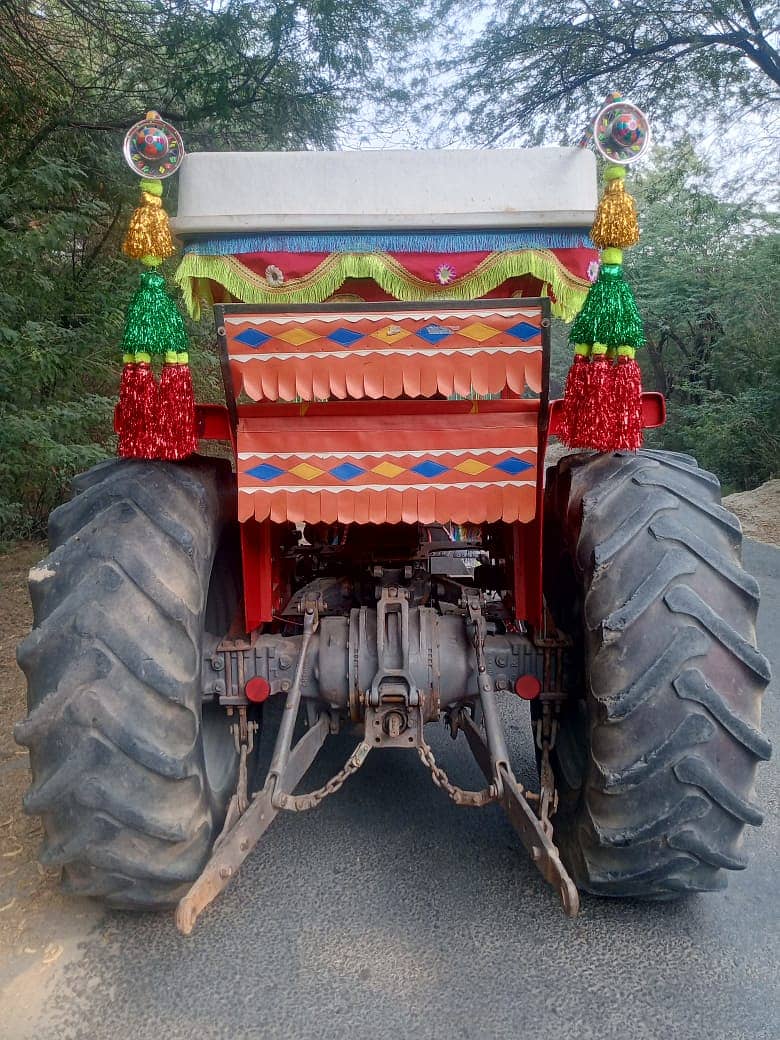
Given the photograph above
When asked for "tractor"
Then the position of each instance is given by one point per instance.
(371, 536)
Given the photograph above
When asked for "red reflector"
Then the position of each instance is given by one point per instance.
(528, 687)
(257, 690)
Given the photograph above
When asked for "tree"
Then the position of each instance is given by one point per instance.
(707, 278)
(546, 65)
(74, 76)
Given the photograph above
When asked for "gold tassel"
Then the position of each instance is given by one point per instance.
(616, 220)
(149, 233)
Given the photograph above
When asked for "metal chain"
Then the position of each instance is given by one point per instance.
(457, 794)
(302, 802)
(546, 733)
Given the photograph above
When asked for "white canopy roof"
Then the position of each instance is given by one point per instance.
(241, 192)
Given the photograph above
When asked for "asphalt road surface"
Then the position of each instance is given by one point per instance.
(389, 912)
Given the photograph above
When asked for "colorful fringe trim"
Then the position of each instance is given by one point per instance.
(393, 242)
(567, 291)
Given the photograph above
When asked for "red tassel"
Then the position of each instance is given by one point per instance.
(626, 423)
(573, 395)
(596, 411)
(135, 418)
(177, 434)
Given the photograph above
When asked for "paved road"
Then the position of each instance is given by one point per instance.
(391, 913)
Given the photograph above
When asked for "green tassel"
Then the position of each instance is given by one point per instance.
(154, 324)
(609, 314)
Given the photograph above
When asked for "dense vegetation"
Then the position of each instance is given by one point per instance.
(279, 74)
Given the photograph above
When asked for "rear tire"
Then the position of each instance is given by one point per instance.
(131, 774)
(655, 758)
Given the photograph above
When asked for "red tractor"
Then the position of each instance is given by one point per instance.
(379, 545)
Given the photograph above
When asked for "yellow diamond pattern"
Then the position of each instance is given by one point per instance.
(478, 332)
(387, 469)
(391, 334)
(306, 472)
(297, 337)
(472, 467)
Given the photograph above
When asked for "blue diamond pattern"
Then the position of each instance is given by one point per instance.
(347, 471)
(252, 338)
(345, 337)
(513, 466)
(429, 468)
(523, 330)
(265, 471)
(434, 333)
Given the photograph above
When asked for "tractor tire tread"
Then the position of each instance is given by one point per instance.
(127, 811)
(658, 799)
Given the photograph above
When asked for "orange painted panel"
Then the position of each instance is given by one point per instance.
(385, 354)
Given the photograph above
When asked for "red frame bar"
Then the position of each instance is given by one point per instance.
(257, 572)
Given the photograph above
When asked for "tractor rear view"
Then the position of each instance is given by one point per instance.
(384, 552)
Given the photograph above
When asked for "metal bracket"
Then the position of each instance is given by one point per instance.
(514, 802)
(237, 841)
(242, 830)
(393, 679)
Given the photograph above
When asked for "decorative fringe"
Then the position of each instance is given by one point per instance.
(573, 397)
(392, 242)
(626, 418)
(609, 315)
(389, 274)
(177, 434)
(136, 415)
(616, 222)
(153, 324)
(149, 233)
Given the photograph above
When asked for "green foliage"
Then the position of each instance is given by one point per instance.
(707, 279)
(266, 74)
(537, 66)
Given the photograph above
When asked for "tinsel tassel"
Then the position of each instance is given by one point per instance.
(609, 314)
(573, 396)
(616, 223)
(149, 236)
(594, 427)
(149, 233)
(626, 424)
(176, 430)
(154, 324)
(136, 414)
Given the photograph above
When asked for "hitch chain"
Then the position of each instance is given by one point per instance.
(302, 802)
(546, 732)
(244, 739)
(475, 799)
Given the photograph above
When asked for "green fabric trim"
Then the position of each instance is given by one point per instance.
(325, 280)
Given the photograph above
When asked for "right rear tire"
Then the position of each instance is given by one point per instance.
(131, 773)
(656, 754)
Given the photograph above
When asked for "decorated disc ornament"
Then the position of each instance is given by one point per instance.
(621, 132)
(153, 148)
(154, 419)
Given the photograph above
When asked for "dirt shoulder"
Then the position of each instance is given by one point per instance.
(31, 906)
(758, 511)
